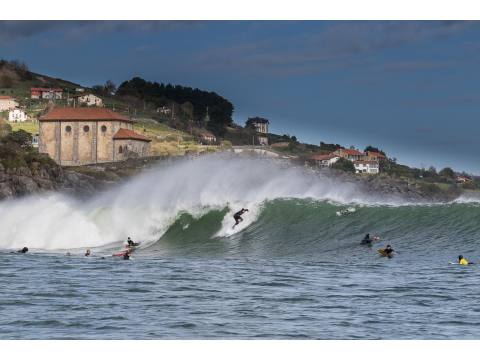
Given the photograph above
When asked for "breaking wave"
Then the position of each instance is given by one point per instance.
(193, 200)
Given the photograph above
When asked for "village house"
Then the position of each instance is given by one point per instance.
(7, 103)
(374, 156)
(323, 160)
(207, 137)
(17, 115)
(80, 136)
(88, 99)
(46, 93)
(164, 110)
(261, 127)
(463, 179)
(366, 167)
(350, 154)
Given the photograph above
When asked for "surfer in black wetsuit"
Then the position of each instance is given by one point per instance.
(238, 216)
(367, 240)
(131, 243)
(24, 250)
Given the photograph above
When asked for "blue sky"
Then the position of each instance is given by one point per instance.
(411, 88)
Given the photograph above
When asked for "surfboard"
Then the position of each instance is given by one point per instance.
(456, 263)
(383, 253)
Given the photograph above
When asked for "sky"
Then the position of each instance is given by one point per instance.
(411, 88)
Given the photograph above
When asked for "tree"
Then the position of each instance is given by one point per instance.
(5, 128)
(20, 137)
(329, 147)
(344, 165)
(110, 87)
(220, 110)
(447, 172)
(374, 149)
(6, 81)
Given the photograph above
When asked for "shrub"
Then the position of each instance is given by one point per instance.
(344, 165)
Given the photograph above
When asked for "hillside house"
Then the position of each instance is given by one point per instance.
(17, 115)
(374, 156)
(260, 125)
(463, 179)
(88, 99)
(80, 136)
(7, 103)
(164, 110)
(366, 167)
(350, 154)
(323, 160)
(46, 93)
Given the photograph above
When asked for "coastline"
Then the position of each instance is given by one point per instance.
(86, 181)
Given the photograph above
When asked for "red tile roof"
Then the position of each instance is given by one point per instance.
(352, 152)
(320, 157)
(126, 134)
(83, 114)
(374, 153)
(6, 98)
(46, 89)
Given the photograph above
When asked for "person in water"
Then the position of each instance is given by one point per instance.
(388, 250)
(238, 216)
(462, 260)
(367, 239)
(87, 253)
(23, 250)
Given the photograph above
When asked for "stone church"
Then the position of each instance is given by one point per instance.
(80, 136)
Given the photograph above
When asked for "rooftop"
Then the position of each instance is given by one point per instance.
(352, 152)
(126, 134)
(46, 89)
(320, 157)
(83, 114)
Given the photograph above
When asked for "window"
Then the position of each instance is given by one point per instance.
(104, 128)
(68, 129)
(120, 149)
(86, 128)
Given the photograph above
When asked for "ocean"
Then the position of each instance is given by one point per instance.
(293, 269)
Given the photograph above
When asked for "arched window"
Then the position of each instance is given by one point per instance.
(68, 129)
(103, 128)
(86, 128)
(120, 149)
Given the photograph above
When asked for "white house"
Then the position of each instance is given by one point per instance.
(89, 100)
(46, 93)
(324, 160)
(17, 115)
(7, 103)
(366, 167)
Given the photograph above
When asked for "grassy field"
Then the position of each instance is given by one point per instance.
(169, 141)
(28, 126)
